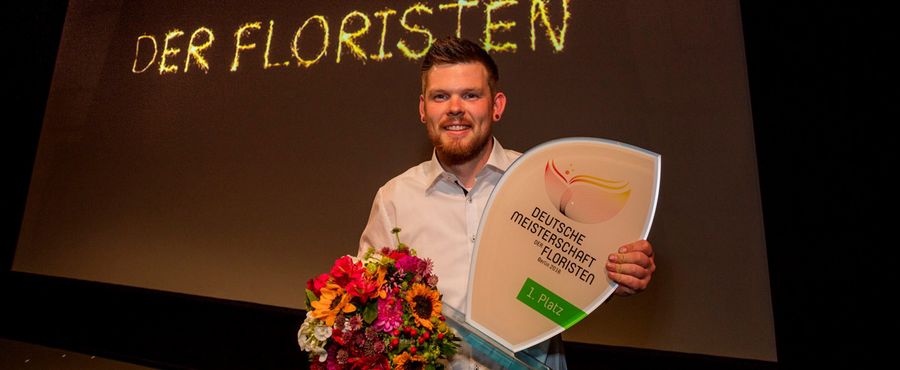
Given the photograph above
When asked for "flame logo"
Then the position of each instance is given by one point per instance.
(584, 198)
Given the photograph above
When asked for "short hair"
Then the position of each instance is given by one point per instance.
(454, 50)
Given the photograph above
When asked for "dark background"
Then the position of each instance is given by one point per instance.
(819, 76)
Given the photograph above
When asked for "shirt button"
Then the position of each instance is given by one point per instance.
(473, 239)
(470, 200)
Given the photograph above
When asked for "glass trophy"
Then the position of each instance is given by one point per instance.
(485, 350)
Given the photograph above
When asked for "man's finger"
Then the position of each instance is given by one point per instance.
(636, 258)
(632, 283)
(628, 269)
(642, 246)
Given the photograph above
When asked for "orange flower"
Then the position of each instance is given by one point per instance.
(380, 281)
(425, 304)
(404, 361)
(332, 302)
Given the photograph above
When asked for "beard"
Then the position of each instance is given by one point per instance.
(453, 152)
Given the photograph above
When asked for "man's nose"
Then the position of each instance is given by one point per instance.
(455, 107)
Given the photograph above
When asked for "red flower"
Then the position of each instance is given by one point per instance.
(397, 254)
(316, 285)
(345, 270)
(362, 288)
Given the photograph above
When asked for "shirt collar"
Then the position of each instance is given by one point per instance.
(498, 161)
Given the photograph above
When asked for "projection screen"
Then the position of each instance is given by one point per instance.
(233, 150)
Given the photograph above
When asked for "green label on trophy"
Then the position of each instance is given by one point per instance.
(549, 304)
(551, 222)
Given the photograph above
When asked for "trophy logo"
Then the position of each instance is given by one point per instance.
(585, 198)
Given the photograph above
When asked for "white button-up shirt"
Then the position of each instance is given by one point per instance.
(437, 216)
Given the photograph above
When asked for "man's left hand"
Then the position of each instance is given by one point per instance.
(632, 267)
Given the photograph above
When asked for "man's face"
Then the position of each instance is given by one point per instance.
(458, 111)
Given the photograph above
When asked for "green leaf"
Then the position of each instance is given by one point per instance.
(449, 349)
(310, 297)
(370, 313)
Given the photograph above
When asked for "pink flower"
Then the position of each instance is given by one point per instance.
(390, 314)
(418, 267)
(409, 264)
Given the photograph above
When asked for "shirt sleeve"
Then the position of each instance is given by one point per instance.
(378, 230)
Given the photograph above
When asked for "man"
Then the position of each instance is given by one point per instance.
(438, 204)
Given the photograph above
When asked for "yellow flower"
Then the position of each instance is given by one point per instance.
(425, 304)
(332, 302)
(404, 361)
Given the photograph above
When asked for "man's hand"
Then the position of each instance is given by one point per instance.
(631, 267)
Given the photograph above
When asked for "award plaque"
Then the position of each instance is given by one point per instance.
(546, 233)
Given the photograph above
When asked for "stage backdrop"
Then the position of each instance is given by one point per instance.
(232, 150)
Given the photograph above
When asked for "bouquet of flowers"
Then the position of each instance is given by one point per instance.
(381, 312)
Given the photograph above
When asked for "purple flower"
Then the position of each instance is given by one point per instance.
(371, 334)
(432, 280)
(355, 322)
(359, 339)
(427, 266)
(378, 347)
(390, 314)
(342, 356)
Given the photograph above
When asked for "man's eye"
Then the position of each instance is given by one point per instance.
(439, 97)
(470, 96)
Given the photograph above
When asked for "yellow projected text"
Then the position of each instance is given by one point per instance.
(407, 29)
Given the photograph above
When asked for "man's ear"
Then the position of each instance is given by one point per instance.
(422, 108)
(499, 106)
